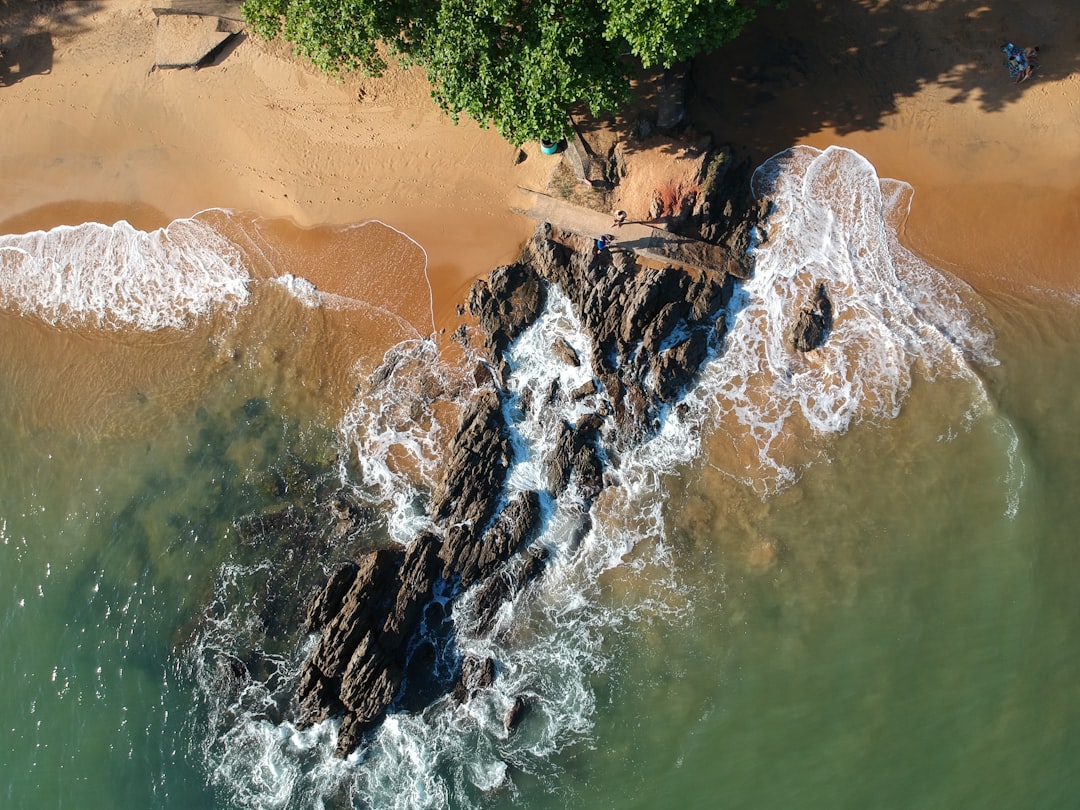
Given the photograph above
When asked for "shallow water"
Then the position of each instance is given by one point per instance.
(837, 581)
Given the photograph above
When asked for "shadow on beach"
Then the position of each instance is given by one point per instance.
(26, 34)
(844, 65)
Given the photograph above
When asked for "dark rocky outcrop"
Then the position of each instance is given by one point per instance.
(565, 352)
(516, 713)
(384, 615)
(813, 322)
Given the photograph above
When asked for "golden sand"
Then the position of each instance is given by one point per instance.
(919, 90)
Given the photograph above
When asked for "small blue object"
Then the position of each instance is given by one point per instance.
(549, 148)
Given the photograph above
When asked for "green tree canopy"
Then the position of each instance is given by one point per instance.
(519, 64)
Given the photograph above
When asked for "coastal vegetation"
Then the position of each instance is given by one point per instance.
(517, 64)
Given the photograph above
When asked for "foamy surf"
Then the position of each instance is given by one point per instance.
(894, 316)
(777, 410)
(118, 277)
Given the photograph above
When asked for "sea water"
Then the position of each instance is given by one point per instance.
(841, 579)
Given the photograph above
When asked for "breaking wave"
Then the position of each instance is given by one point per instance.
(118, 277)
(833, 223)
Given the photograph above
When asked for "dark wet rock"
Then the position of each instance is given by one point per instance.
(416, 582)
(675, 368)
(350, 629)
(586, 389)
(560, 460)
(565, 352)
(516, 713)
(497, 590)
(647, 295)
(491, 596)
(476, 674)
(476, 467)
(813, 322)
(460, 336)
(650, 331)
(511, 299)
(516, 525)
(533, 566)
(327, 603)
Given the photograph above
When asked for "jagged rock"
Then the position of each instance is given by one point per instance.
(516, 713)
(565, 352)
(533, 565)
(417, 577)
(477, 465)
(676, 367)
(741, 238)
(374, 582)
(560, 460)
(813, 323)
(460, 336)
(510, 299)
(327, 602)
(493, 594)
(650, 332)
(471, 560)
(359, 614)
(476, 674)
(586, 389)
(648, 294)
(499, 589)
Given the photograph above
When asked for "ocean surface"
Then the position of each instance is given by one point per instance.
(839, 580)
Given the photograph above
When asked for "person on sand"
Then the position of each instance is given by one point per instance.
(1028, 67)
(603, 242)
(620, 218)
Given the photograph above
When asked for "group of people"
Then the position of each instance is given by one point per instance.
(603, 242)
(1020, 61)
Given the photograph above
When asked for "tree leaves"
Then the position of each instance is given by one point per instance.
(517, 64)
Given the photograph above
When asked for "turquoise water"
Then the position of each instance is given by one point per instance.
(881, 614)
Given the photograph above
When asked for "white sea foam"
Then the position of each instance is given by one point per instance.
(395, 437)
(894, 317)
(119, 277)
(301, 289)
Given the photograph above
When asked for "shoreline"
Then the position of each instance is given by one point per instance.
(923, 95)
(261, 133)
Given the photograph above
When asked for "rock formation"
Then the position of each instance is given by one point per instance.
(651, 330)
(813, 322)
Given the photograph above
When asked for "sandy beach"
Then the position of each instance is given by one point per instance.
(91, 132)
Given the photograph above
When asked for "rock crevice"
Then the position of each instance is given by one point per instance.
(651, 329)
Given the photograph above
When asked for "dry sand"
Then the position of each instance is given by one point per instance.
(919, 89)
(258, 131)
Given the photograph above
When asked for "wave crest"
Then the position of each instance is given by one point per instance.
(118, 277)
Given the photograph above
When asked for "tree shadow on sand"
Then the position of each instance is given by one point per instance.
(26, 34)
(843, 65)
